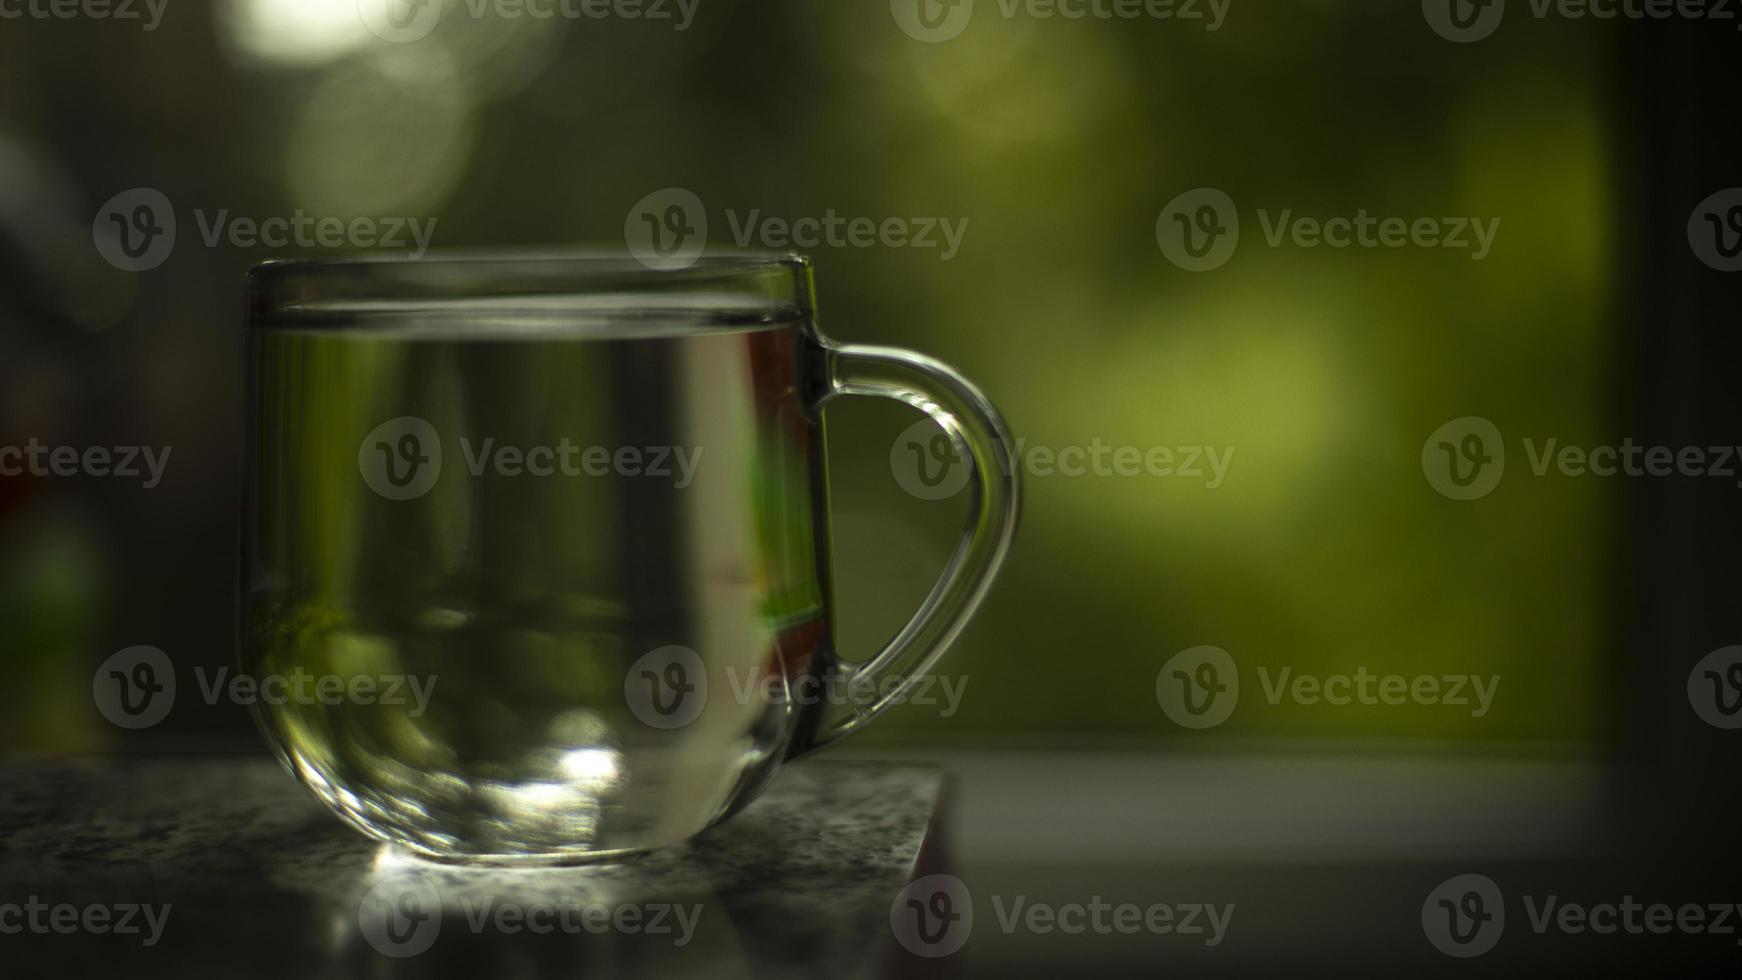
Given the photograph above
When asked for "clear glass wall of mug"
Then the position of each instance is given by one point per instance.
(536, 548)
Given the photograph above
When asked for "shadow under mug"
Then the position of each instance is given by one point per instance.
(536, 551)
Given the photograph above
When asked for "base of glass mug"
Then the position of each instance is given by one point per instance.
(400, 834)
(404, 846)
(553, 859)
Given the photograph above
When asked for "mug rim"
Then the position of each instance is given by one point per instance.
(601, 257)
(593, 288)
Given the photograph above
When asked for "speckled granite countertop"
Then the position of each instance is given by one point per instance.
(261, 881)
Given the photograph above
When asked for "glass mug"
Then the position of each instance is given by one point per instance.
(536, 549)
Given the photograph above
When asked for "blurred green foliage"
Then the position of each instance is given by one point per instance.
(1059, 141)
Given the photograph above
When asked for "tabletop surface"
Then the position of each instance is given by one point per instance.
(226, 866)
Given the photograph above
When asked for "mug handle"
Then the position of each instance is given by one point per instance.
(981, 437)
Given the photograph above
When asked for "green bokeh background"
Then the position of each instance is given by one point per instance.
(1060, 142)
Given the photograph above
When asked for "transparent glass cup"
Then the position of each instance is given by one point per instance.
(536, 549)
